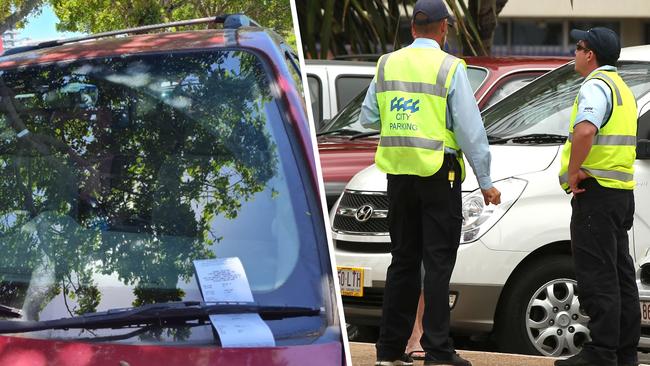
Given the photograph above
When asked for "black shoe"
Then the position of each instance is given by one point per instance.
(576, 360)
(454, 360)
(628, 364)
(405, 360)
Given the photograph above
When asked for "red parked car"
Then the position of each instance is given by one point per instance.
(124, 162)
(346, 147)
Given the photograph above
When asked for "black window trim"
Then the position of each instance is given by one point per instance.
(320, 95)
(336, 80)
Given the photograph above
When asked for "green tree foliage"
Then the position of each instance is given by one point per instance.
(127, 164)
(14, 12)
(93, 16)
(332, 27)
(484, 15)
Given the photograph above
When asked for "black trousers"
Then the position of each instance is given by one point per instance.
(424, 220)
(604, 268)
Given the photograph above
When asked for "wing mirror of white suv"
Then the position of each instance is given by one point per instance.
(643, 149)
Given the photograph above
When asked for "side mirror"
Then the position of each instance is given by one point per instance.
(643, 149)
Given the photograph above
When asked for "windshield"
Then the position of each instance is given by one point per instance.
(119, 173)
(347, 120)
(544, 106)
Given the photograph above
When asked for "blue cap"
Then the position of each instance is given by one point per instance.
(435, 10)
(603, 41)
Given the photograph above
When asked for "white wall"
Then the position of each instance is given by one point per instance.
(581, 9)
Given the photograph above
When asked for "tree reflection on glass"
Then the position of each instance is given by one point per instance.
(125, 164)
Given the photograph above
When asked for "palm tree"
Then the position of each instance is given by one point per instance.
(373, 26)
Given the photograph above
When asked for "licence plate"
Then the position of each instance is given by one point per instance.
(645, 312)
(351, 281)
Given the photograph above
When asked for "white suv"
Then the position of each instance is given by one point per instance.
(514, 274)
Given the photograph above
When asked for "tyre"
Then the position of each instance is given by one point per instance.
(539, 313)
(362, 333)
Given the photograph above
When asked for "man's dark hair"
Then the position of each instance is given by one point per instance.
(600, 60)
(421, 27)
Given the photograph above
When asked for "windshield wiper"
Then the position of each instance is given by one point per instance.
(340, 131)
(156, 314)
(364, 134)
(9, 312)
(535, 137)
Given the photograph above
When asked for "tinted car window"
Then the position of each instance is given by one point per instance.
(509, 85)
(118, 173)
(476, 76)
(315, 96)
(347, 120)
(643, 128)
(348, 87)
(545, 105)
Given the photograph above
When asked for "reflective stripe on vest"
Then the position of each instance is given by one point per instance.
(611, 158)
(611, 83)
(404, 141)
(412, 86)
(612, 140)
(437, 89)
(611, 174)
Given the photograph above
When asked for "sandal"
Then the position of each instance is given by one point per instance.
(417, 355)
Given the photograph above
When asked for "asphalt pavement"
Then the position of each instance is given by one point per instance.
(363, 354)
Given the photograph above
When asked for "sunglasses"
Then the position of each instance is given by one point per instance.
(580, 47)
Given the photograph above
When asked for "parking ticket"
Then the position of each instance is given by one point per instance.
(223, 280)
(242, 330)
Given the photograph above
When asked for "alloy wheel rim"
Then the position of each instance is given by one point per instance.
(555, 323)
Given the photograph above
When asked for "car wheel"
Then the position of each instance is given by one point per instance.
(540, 313)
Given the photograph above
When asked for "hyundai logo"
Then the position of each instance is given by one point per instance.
(364, 213)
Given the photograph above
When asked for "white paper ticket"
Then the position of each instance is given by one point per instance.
(223, 280)
(242, 330)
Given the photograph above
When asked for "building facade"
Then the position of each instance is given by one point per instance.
(528, 27)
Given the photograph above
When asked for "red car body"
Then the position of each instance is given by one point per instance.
(23, 350)
(341, 157)
(36, 352)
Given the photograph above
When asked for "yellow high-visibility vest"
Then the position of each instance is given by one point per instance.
(412, 86)
(612, 155)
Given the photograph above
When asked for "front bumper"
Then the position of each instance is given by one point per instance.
(478, 279)
(644, 295)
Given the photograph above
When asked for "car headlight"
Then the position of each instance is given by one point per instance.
(479, 218)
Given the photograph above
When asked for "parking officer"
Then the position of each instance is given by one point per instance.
(597, 166)
(424, 105)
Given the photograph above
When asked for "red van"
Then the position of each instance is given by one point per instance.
(126, 159)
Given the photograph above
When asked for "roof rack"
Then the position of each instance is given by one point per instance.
(229, 21)
(359, 57)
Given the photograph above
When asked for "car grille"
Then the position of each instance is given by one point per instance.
(350, 224)
(362, 247)
(355, 200)
(371, 297)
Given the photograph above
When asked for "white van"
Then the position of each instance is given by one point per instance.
(514, 274)
(333, 84)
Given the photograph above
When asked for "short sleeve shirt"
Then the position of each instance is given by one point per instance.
(595, 100)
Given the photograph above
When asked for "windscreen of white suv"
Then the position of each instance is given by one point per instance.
(544, 107)
(117, 173)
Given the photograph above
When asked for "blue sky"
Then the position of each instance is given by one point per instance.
(43, 27)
